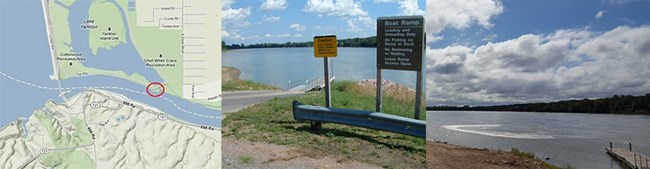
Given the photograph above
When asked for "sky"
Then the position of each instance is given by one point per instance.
(280, 21)
(490, 52)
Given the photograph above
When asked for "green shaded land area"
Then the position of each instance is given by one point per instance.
(273, 122)
(62, 140)
(108, 20)
(62, 40)
(151, 43)
(66, 158)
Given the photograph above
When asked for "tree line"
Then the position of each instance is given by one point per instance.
(623, 104)
(351, 42)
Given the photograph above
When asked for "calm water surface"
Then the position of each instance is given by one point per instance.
(285, 67)
(572, 139)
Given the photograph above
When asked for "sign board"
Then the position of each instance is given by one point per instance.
(325, 46)
(400, 43)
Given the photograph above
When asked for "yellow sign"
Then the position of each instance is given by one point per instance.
(325, 46)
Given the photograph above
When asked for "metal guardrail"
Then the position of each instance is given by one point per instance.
(360, 118)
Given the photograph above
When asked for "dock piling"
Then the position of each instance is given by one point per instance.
(625, 156)
(630, 146)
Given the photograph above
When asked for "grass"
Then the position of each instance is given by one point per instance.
(245, 159)
(516, 151)
(273, 122)
(531, 155)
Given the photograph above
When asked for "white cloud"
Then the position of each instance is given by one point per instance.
(442, 14)
(297, 35)
(489, 37)
(297, 27)
(235, 14)
(600, 14)
(335, 8)
(227, 3)
(267, 19)
(274, 5)
(284, 35)
(567, 64)
(233, 18)
(410, 7)
(361, 23)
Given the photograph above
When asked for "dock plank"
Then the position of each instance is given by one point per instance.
(628, 158)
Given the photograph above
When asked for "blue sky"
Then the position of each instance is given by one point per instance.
(486, 52)
(279, 21)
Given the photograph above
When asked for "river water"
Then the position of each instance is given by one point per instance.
(284, 67)
(572, 139)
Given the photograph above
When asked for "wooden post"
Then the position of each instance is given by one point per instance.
(630, 146)
(610, 145)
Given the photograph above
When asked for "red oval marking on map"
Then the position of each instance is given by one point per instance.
(155, 83)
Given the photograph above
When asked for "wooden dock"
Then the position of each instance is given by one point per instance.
(631, 159)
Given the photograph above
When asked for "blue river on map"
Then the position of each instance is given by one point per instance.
(24, 55)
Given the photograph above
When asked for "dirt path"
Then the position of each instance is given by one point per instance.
(447, 156)
(246, 154)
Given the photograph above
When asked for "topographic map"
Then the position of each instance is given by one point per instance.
(110, 84)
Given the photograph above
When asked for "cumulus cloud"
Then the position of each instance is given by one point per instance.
(335, 8)
(233, 14)
(284, 35)
(410, 7)
(566, 64)
(461, 14)
(361, 23)
(233, 18)
(599, 14)
(270, 5)
(297, 27)
(266, 19)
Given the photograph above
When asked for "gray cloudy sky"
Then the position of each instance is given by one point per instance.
(486, 52)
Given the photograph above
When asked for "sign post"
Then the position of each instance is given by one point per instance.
(400, 46)
(324, 47)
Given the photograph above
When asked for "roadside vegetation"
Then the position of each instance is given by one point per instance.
(531, 155)
(272, 122)
(231, 82)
